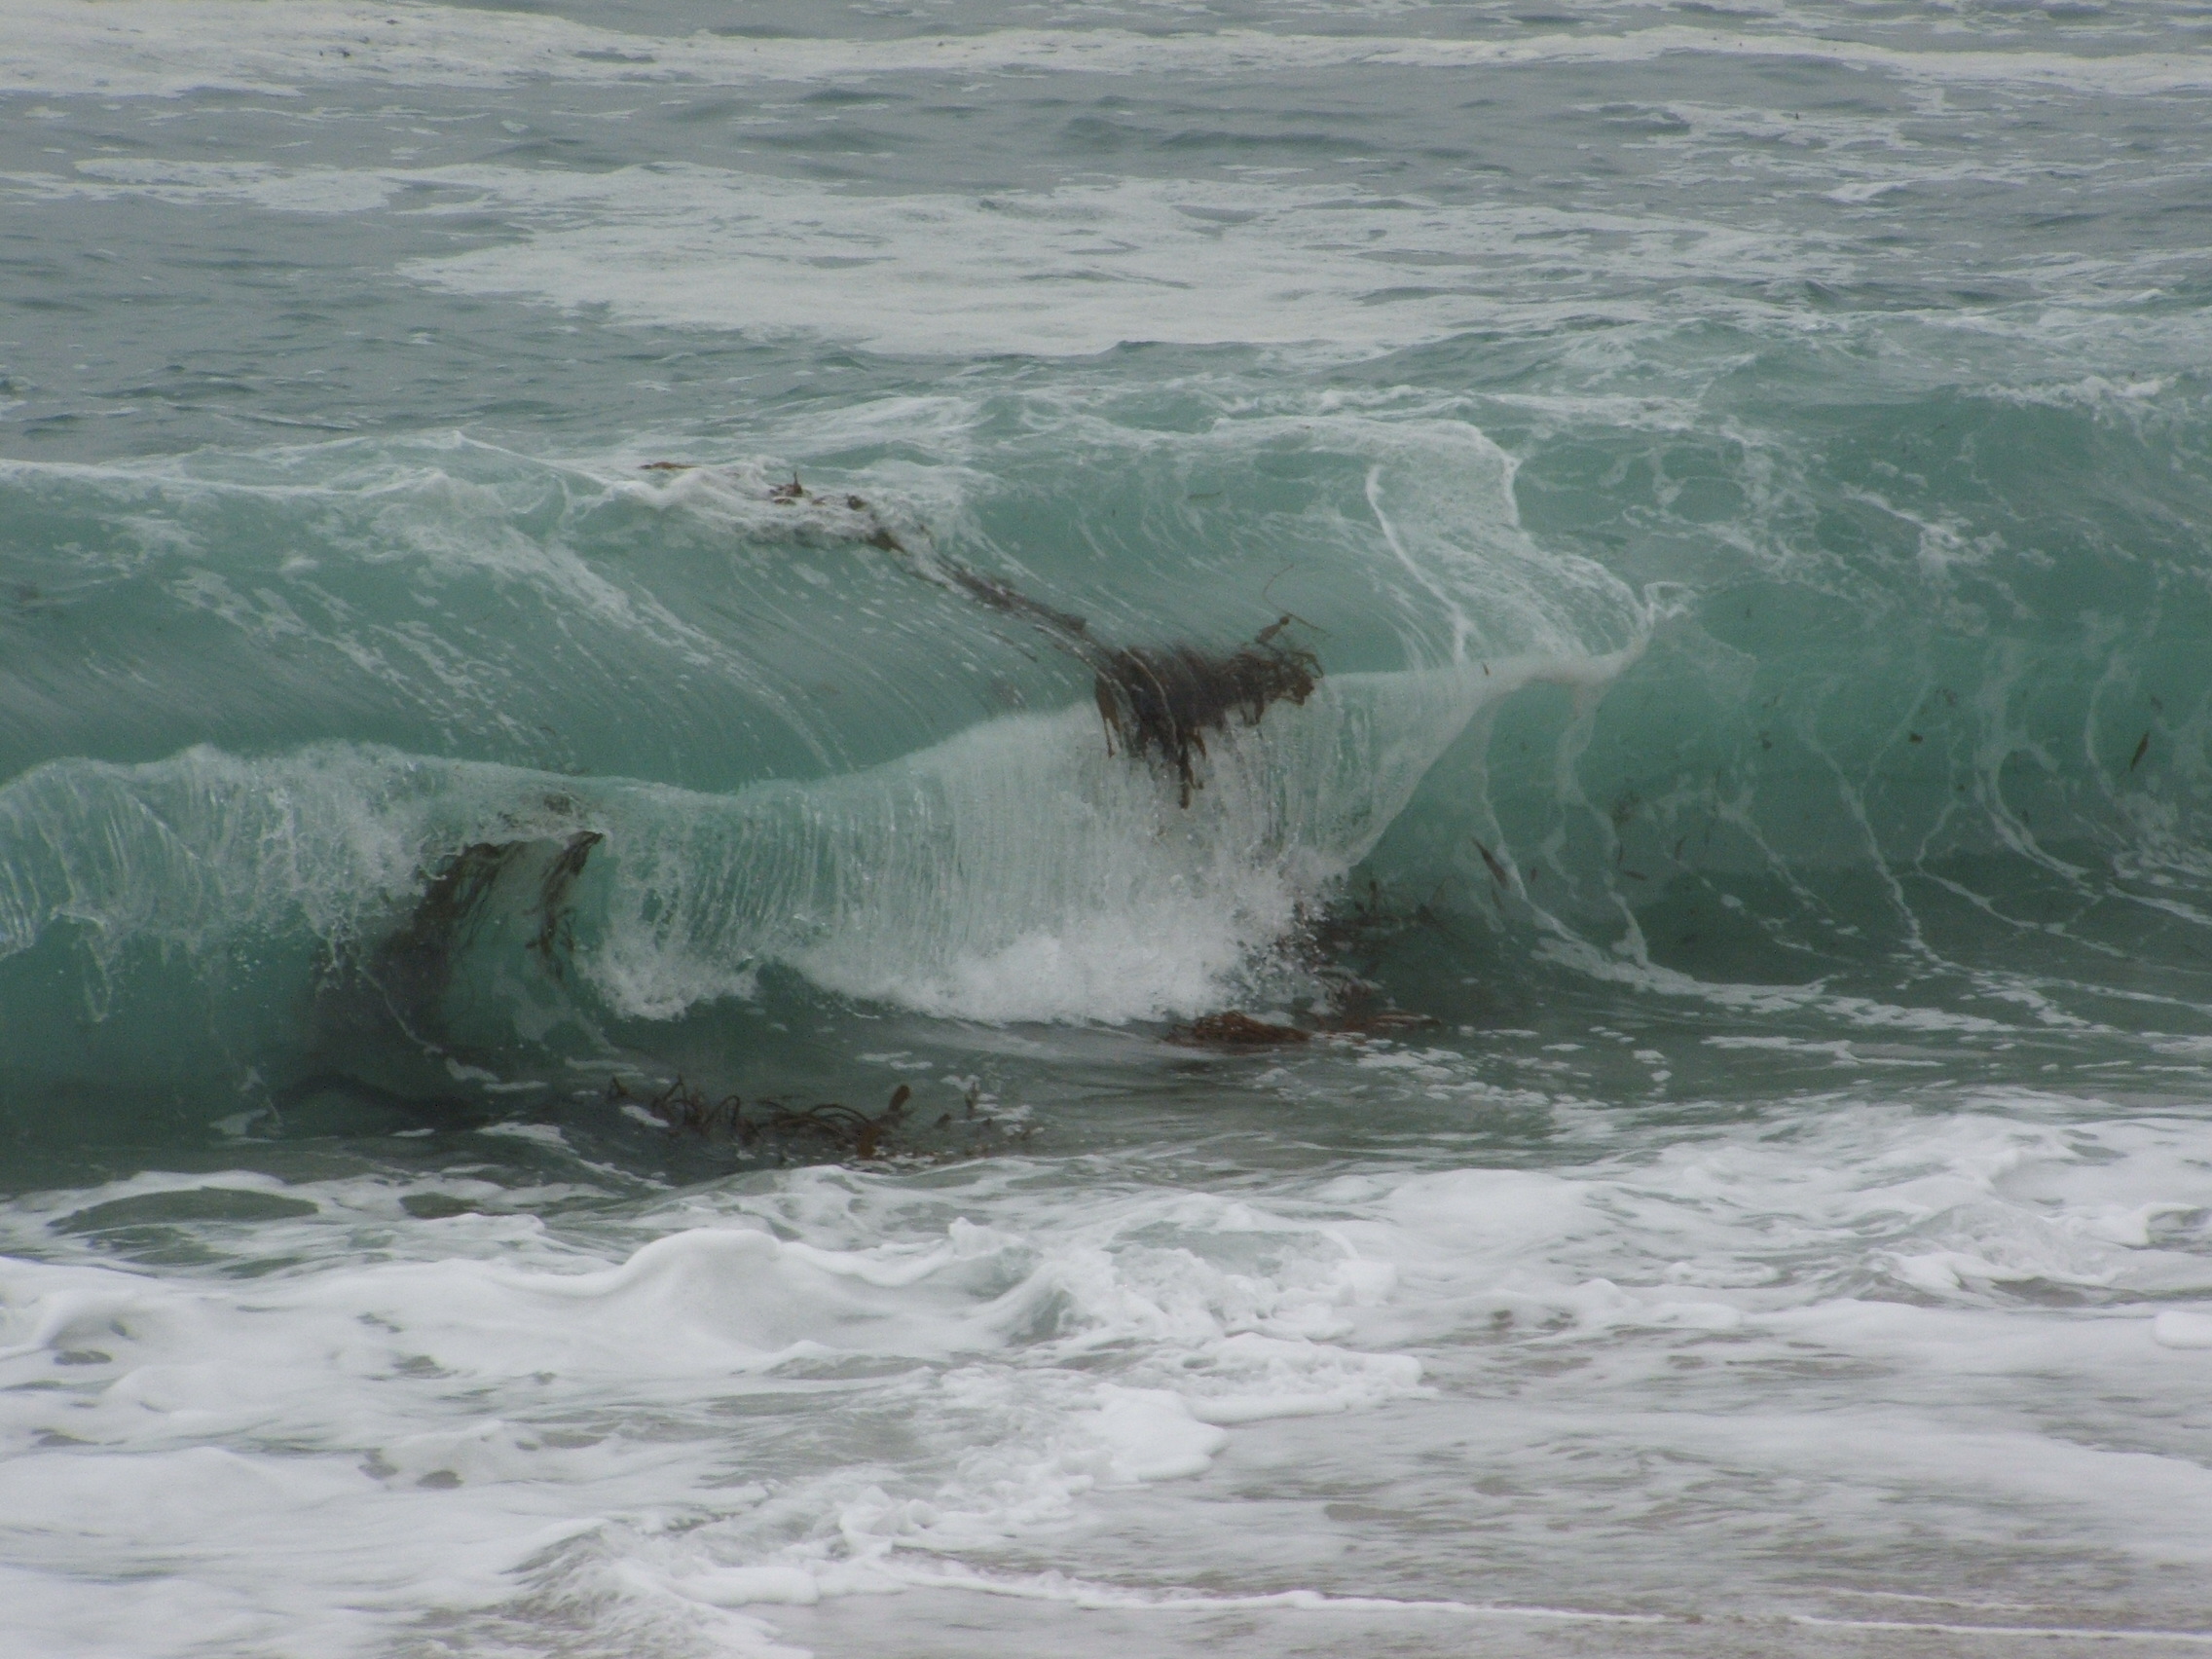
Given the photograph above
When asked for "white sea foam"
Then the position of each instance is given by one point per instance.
(1626, 968)
(1081, 265)
(471, 1418)
(1073, 270)
(144, 47)
(422, 1398)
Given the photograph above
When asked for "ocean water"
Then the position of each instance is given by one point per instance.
(564, 563)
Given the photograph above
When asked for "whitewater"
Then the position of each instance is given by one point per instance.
(1254, 828)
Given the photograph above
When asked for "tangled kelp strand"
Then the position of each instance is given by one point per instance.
(1157, 702)
(774, 1130)
(412, 969)
(1164, 701)
(1234, 1030)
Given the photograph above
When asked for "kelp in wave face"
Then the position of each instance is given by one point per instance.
(1158, 702)
(1162, 701)
(772, 1131)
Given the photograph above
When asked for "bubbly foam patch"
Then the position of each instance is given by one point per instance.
(143, 48)
(407, 1436)
(1019, 870)
(1069, 270)
(479, 1417)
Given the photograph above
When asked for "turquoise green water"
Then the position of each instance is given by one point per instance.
(1739, 480)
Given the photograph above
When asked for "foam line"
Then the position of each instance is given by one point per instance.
(145, 47)
(1073, 270)
(1081, 1593)
(2079, 1632)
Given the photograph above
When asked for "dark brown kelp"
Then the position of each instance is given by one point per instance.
(1163, 701)
(1158, 702)
(556, 923)
(414, 967)
(411, 970)
(1235, 1031)
(775, 1132)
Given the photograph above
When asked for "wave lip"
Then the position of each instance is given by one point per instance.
(1017, 872)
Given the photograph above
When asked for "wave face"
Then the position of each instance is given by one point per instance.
(1764, 708)
(791, 746)
(1931, 694)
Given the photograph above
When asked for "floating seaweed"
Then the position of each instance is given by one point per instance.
(1157, 702)
(1235, 1031)
(1360, 1019)
(1352, 1014)
(1164, 701)
(556, 924)
(414, 966)
(1354, 934)
(524, 886)
(774, 1130)
(1498, 870)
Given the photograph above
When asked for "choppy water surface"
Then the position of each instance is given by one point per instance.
(1737, 481)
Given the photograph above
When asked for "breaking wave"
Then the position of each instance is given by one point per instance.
(540, 751)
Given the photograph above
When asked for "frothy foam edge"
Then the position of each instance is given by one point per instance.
(146, 49)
